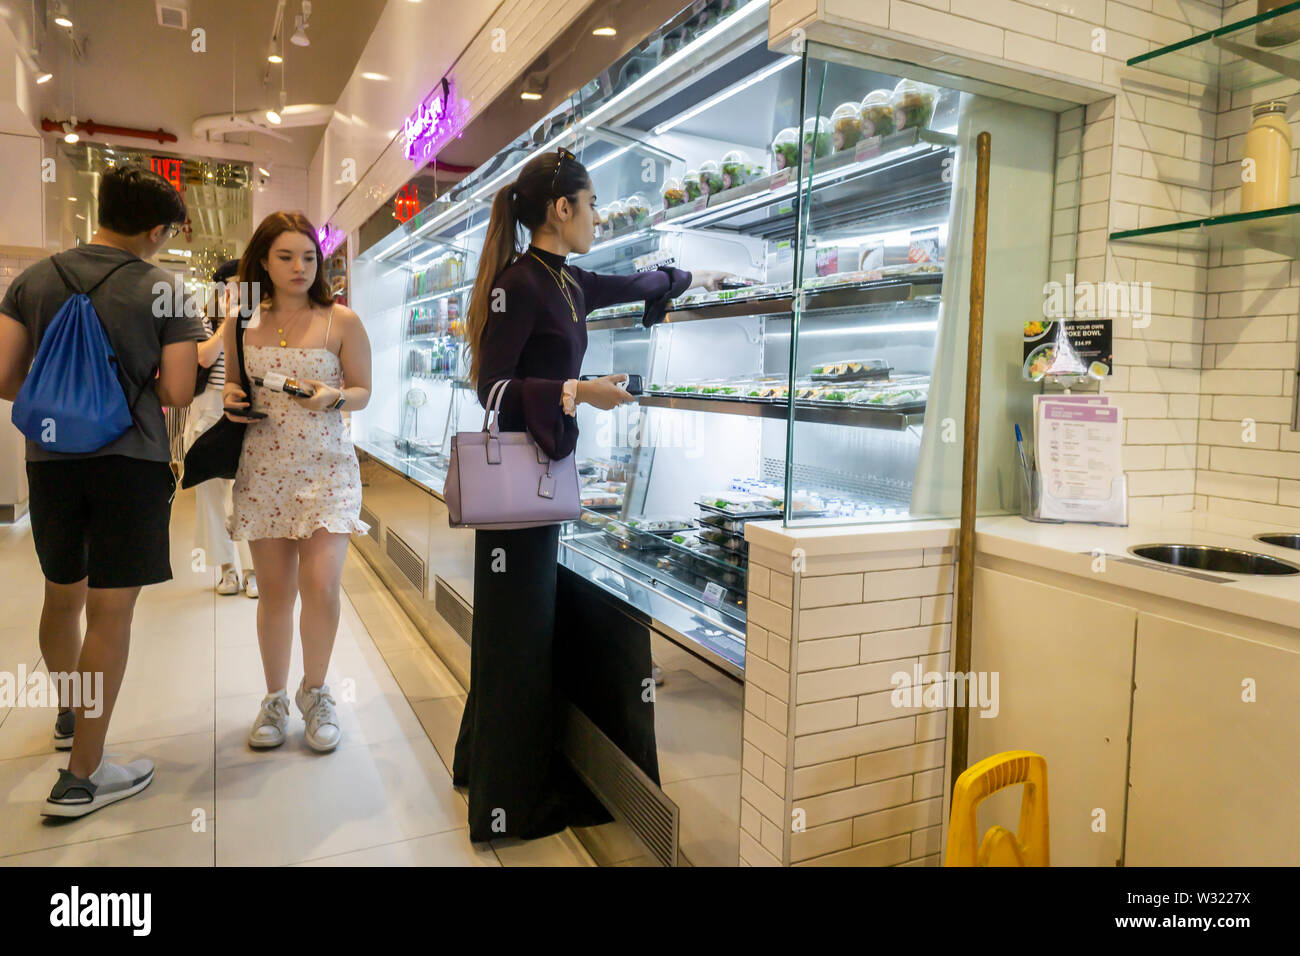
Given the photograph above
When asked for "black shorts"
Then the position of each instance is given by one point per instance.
(103, 518)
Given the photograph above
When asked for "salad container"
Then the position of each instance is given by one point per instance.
(816, 137)
(877, 112)
(785, 149)
(674, 193)
(846, 126)
(710, 178)
(913, 104)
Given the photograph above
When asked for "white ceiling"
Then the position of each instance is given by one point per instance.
(139, 74)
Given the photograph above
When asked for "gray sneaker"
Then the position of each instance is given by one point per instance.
(64, 726)
(75, 796)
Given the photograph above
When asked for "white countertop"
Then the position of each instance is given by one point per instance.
(1070, 548)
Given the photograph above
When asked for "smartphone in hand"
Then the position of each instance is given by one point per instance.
(245, 412)
(633, 383)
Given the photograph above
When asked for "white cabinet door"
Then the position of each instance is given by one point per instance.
(1214, 779)
(1064, 666)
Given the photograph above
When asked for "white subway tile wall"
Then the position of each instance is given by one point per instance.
(843, 772)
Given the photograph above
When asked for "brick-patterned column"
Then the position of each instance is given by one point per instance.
(833, 772)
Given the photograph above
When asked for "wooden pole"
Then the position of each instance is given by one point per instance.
(970, 459)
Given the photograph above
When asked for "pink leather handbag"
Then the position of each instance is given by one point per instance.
(498, 480)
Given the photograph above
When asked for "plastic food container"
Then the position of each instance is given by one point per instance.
(735, 502)
(618, 217)
(674, 193)
(691, 183)
(816, 137)
(913, 104)
(846, 126)
(785, 149)
(845, 370)
(877, 112)
(660, 525)
(638, 210)
(710, 178)
(735, 169)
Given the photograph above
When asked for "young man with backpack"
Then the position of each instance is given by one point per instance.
(89, 354)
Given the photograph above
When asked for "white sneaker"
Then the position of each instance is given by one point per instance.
(74, 796)
(317, 707)
(250, 584)
(229, 583)
(272, 721)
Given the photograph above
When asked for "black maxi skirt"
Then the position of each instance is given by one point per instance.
(520, 785)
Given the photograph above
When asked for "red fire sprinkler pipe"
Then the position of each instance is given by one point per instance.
(91, 128)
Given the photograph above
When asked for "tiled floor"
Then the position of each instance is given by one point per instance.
(192, 689)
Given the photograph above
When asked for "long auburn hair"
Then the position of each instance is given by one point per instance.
(259, 248)
(523, 203)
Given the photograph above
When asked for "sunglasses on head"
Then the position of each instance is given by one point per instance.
(562, 155)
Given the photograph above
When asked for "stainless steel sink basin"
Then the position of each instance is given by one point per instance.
(1281, 539)
(1208, 558)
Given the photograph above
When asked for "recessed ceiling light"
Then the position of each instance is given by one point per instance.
(604, 32)
(375, 76)
(274, 58)
(72, 199)
(530, 96)
(45, 78)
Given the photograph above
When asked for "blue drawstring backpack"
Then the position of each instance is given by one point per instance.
(72, 400)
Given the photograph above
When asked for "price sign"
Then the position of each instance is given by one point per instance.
(780, 179)
(713, 593)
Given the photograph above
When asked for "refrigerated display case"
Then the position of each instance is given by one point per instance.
(800, 392)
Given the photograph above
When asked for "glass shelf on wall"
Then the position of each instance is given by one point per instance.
(1236, 56)
(1277, 230)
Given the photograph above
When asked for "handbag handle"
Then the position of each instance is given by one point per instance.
(493, 404)
(239, 356)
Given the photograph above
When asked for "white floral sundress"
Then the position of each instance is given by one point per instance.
(298, 471)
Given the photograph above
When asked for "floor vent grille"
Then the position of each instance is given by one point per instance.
(407, 561)
(630, 795)
(453, 610)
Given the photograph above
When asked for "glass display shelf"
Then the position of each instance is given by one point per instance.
(896, 418)
(1236, 56)
(1277, 230)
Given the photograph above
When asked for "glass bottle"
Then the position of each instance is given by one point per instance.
(1268, 144)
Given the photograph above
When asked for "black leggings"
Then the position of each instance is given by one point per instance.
(520, 785)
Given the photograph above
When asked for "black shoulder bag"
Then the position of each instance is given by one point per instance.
(215, 453)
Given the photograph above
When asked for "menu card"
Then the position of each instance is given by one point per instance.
(1078, 447)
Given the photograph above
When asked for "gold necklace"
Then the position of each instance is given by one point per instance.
(559, 280)
(283, 341)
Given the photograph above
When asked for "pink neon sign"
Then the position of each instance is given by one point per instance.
(438, 119)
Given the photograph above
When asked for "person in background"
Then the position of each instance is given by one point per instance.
(100, 519)
(297, 494)
(212, 500)
(527, 323)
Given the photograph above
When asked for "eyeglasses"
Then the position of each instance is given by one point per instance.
(559, 164)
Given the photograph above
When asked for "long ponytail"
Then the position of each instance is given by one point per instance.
(525, 202)
(499, 250)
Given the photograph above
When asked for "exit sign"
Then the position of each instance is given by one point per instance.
(168, 169)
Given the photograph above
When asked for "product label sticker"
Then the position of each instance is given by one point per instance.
(700, 204)
(780, 179)
(713, 593)
(274, 381)
(866, 149)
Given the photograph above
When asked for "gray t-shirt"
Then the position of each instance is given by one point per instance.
(125, 305)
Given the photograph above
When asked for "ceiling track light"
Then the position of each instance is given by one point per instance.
(61, 18)
(300, 37)
(44, 77)
(70, 134)
(604, 32)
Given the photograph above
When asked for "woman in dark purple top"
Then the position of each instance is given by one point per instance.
(527, 323)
